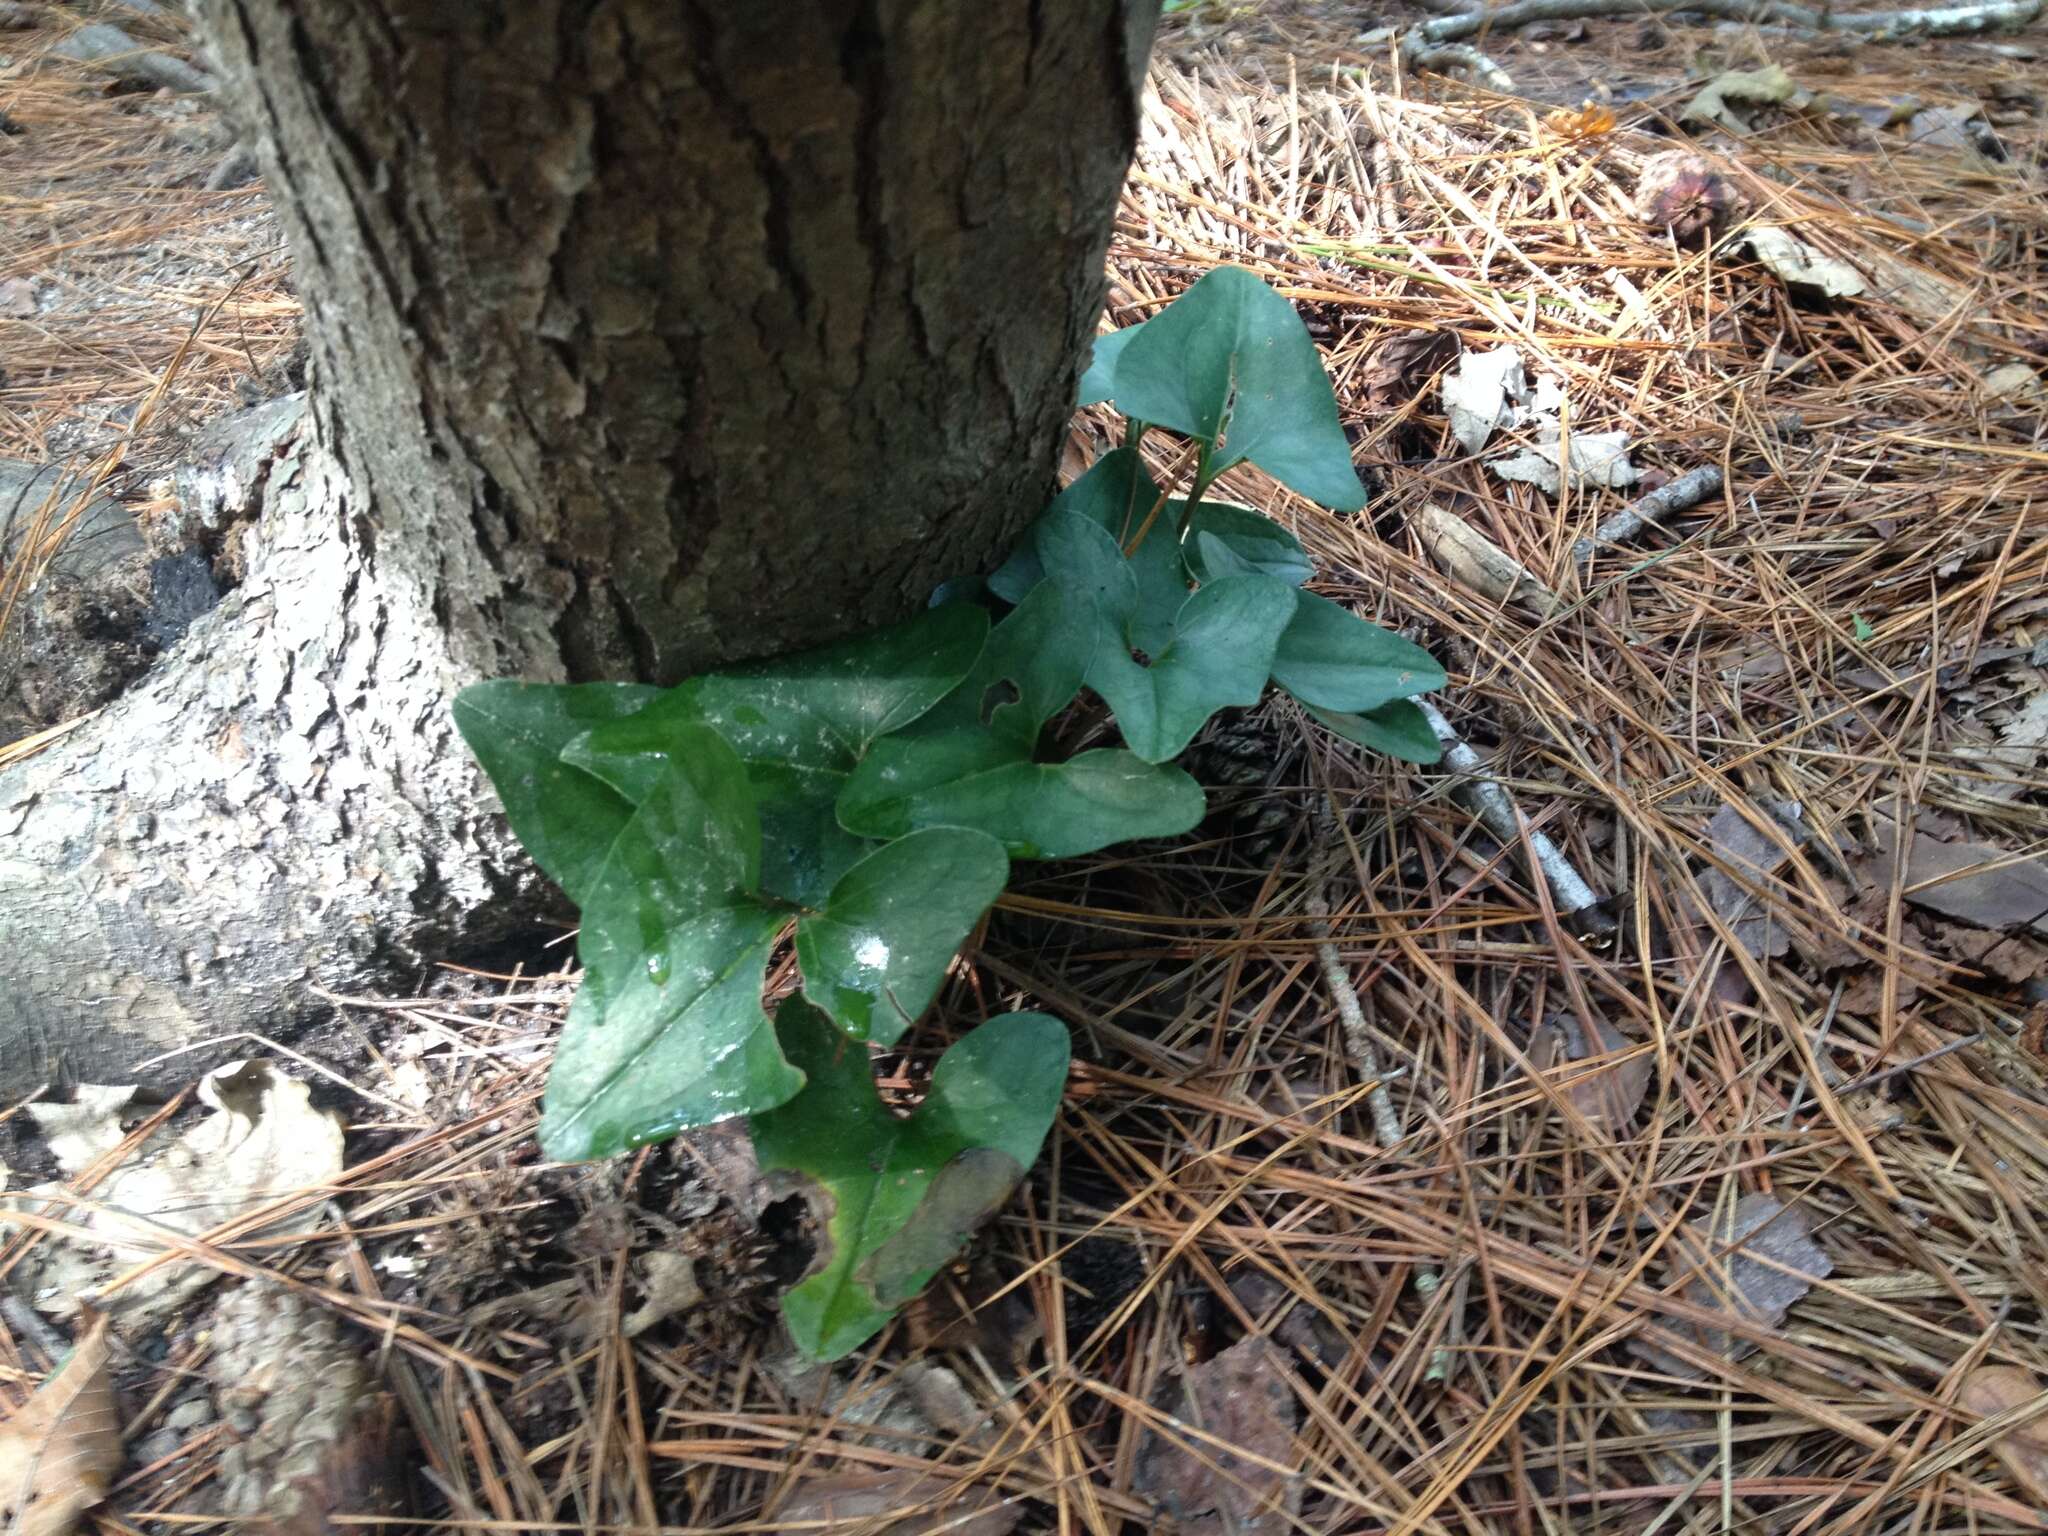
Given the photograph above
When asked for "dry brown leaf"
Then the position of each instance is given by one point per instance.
(1755, 857)
(1977, 883)
(1608, 1096)
(1472, 558)
(1404, 363)
(1993, 1389)
(922, 1505)
(263, 1141)
(60, 1450)
(1240, 1398)
(1752, 1263)
(670, 1282)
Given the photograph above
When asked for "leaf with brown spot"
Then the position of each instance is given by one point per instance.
(1994, 1389)
(60, 1449)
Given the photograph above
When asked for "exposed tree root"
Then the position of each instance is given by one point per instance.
(1440, 43)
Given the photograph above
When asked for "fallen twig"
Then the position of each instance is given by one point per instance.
(1483, 796)
(1386, 1124)
(1688, 490)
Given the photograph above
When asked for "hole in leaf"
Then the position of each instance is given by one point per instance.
(791, 1232)
(998, 693)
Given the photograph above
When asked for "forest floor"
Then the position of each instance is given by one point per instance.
(1717, 1205)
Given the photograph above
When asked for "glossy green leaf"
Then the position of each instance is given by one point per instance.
(1044, 810)
(566, 819)
(1117, 496)
(1216, 652)
(1229, 361)
(1222, 650)
(1030, 669)
(1330, 658)
(1098, 381)
(874, 957)
(902, 1193)
(1253, 541)
(1399, 729)
(801, 723)
(667, 1030)
(821, 708)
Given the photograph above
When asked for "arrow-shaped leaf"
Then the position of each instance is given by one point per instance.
(801, 723)
(874, 957)
(566, 819)
(1098, 381)
(667, 1030)
(1229, 361)
(1330, 658)
(1216, 653)
(1399, 729)
(903, 1194)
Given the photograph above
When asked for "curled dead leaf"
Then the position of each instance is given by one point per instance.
(1404, 363)
(59, 1450)
(264, 1140)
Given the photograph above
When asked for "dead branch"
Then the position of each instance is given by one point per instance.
(1688, 490)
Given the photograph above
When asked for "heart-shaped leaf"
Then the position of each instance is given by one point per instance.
(667, 1030)
(1216, 653)
(1042, 810)
(566, 819)
(874, 957)
(1221, 654)
(801, 723)
(1254, 541)
(900, 1195)
(1117, 496)
(1030, 669)
(1330, 658)
(1098, 381)
(1399, 729)
(1230, 362)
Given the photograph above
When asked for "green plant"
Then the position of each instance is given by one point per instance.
(866, 800)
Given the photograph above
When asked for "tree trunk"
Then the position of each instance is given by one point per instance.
(645, 336)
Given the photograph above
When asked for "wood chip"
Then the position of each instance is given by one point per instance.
(1472, 558)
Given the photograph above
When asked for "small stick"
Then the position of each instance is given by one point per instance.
(1688, 490)
(1386, 1125)
(1483, 797)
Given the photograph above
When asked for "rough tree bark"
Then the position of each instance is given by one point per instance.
(645, 335)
